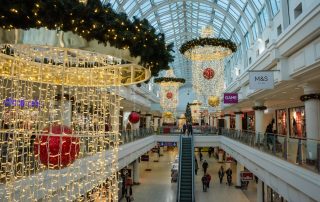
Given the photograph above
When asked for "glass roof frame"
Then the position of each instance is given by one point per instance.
(181, 20)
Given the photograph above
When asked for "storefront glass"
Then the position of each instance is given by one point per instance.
(297, 122)
(282, 121)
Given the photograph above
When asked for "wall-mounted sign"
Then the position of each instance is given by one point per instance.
(230, 98)
(246, 176)
(168, 144)
(261, 80)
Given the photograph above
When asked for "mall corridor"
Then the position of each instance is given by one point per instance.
(156, 186)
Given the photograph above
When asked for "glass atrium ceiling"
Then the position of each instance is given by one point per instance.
(242, 21)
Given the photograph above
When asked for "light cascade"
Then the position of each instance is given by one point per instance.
(207, 56)
(169, 94)
(58, 106)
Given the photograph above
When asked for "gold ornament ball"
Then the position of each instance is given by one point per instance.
(167, 115)
(213, 101)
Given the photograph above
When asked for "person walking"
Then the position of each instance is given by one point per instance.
(205, 167)
(196, 166)
(208, 176)
(190, 130)
(229, 176)
(209, 152)
(184, 129)
(200, 156)
(221, 174)
(129, 193)
(204, 183)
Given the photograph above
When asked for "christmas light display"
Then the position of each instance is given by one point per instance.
(59, 122)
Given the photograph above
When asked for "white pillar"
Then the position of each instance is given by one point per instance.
(259, 191)
(238, 120)
(148, 120)
(312, 114)
(240, 168)
(136, 171)
(161, 122)
(227, 121)
(216, 124)
(258, 116)
(155, 123)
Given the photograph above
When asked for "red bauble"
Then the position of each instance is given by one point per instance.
(57, 151)
(208, 73)
(134, 117)
(169, 95)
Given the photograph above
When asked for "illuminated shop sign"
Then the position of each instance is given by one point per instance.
(9, 102)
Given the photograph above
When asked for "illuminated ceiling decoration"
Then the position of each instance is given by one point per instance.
(169, 94)
(58, 106)
(207, 54)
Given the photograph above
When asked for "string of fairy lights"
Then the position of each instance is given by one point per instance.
(207, 54)
(169, 94)
(59, 127)
(92, 20)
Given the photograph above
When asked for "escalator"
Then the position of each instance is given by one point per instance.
(186, 170)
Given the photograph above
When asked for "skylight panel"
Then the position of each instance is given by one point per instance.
(223, 4)
(234, 12)
(129, 5)
(249, 13)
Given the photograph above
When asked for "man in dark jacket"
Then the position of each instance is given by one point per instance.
(205, 166)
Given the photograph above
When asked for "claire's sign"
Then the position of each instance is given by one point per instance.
(230, 98)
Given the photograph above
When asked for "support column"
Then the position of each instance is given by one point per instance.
(148, 120)
(155, 123)
(238, 120)
(227, 121)
(259, 191)
(136, 172)
(259, 118)
(311, 101)
(161, 122)
(240, 168)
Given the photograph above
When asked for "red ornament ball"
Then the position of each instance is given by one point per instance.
(169, 95)
(208, 73)
(134, 117)
(57, 151)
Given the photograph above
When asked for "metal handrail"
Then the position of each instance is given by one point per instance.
(179, 176)
(193, 169)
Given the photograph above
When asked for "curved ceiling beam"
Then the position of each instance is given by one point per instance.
(206, 12)
(237, 27)
(210, 4)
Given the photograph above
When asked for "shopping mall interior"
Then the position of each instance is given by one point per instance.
(160, 100)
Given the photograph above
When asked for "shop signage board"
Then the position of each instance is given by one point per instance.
(229, 159)
(261, 80)
(246, 176)
(230, 98)
(168, 144)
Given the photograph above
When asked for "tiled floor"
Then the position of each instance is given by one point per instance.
(156, 185)
(222, 192)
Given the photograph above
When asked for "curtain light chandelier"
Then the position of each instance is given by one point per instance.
(169, 93)
(59, 122)
(207, 54)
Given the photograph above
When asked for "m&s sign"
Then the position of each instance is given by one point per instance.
(261, 80)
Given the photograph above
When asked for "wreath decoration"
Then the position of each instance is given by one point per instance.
(208, 42)
(169, 79)
(92, 21)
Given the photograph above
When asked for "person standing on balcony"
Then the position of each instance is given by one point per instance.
(184, 129)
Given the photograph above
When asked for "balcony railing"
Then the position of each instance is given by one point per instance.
(304, 152)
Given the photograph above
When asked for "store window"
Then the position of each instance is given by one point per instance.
(282, 116)
(297, 122)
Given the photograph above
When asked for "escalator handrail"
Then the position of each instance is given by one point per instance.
(193, 168)
(179, 175)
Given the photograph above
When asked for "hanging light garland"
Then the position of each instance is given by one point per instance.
(207, 54)
(169, 94)
(58, 106)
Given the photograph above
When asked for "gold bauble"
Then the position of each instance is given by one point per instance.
(167, 115)
(213, 101)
